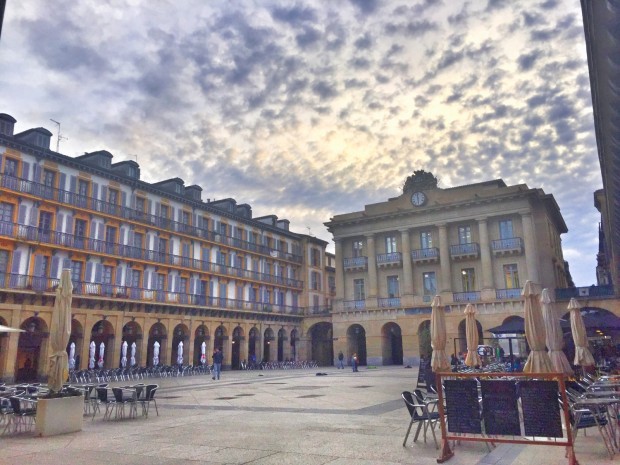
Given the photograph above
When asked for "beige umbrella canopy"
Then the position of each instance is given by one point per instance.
(471, 331)
(554, 336)
(583, 356)
(8, 329)
(538, 361)
(60, 332)
(439, 360)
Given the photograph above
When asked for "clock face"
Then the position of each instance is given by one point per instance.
(418, 198)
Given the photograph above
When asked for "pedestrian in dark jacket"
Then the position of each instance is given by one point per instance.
(218, 357)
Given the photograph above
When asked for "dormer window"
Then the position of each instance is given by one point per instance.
(177, 188)
(132, 172)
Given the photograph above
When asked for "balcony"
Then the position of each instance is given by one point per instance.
(37, 235)
(430, 255)
(318, 311)
(356, 263)
(354, 304)
(25, 283)
(466, 296)
(389, 260)
(465, 251)
(81, 201)
(590, 291)
(501, 294)
(388, 302)
(512, 246)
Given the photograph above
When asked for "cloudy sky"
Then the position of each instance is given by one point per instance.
(306, 109)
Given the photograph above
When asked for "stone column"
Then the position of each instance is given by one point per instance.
(227, 347)
(12, 346)
(444, 259)
(408, 288)
(339, 271)
(529, 244)
(485, 255)
(115, 350)
(372, 267)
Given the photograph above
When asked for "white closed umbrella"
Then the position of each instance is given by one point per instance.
(471, 333)
(180, 353)
(538, 361)
(8, 329)
(439, 360)
(554, 336)
(72, 356)
(583, 356)
(203, 352)
(91, 355)
(124, 354)
(156, 353)
(132, 359)
(100, 362)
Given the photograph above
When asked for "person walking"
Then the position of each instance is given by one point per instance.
(340, 360)
(354, 362)
(218, 357)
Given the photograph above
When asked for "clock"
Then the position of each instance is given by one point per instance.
(418, 199)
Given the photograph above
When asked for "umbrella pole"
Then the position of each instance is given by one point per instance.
(512, 357)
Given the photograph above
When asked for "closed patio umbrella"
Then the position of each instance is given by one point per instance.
(203, 352)
(72, 356)
(583, 356)
(538, 361)
(156, 353)
(180, 353)
(132, 359)
(124, 354)
(100, 362)
(60, 332)
(439, 360)
(471, 332)
(8, 329)
(554, 336)
(91, 355)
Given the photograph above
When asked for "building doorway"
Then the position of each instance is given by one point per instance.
(391, 344)
(356, 343)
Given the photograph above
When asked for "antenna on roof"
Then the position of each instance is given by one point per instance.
(309, 231)
(60, 136)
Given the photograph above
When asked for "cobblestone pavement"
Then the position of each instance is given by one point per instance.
(274, 418)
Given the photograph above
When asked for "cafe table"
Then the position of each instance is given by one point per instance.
(609, 406)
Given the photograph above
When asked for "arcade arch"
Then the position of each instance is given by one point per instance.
(356, 343)
(391, 344)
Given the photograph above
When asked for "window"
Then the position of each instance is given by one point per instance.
(10, 167)
(4, 262)
(468, 279)
(315, 281)
(45, 222)
(426, 240)
(113, 196)
(82, 188)
(184, 217)
(358, 289)
(393, 286)
(357, 248)
(315, 257)
(138, 239)
(390, 244)
(464, 234)
(106, 276)
(140, 202)
(79, 231)
(429, 283)
(315, 302)
(182, 286)
(76, 271)
(6, 212)
(505, 229)
(164, 212)
(49, 178)
(135, 279)
(331, 281)
(511, 276)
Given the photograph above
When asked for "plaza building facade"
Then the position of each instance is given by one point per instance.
(476, 243)
(150, 262)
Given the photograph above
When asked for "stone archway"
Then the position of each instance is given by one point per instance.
(132, 334)
(4, 349)
(77, 338)
(391, 344)
(253, 341)
(461, 345)
(322, 345)
(103, 333)
(282, 338)
(158, 334)
(31, 350)
(424, 339)
(267, 340)
(201, 335)
(356, 343)
(294, 337)
(237, 341)
(180, 334)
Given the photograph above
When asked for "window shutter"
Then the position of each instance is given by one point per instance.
(16, 261)
(66, 264)
(130, 240)
(171, 247)
(93, 230)
(100, 231)
(59, 222)
(149, 206)
(177, 283)
(186, 250)
(123, 235)
(21, 219)
(170, 283)
(128, 276)
(72, 184)
(36, 173)
(95, 191)
(54, 270)
(69, 229)
(157, 209)
(62, 181)
(89, 272)
(34, 216)
(123, 199)
(133, 201)
(25, 170)
(193, 288)
(145, 281)
(104, 193)
(156, 243)
(98, 273)
(119, 276)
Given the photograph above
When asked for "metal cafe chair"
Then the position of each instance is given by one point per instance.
(420, 414)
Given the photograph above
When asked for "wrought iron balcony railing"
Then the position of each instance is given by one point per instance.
(431, 253)
(81, 201)
(466, 296)
(356, 262)
(388, 302)
(508, 293)
(19, 282)
(471, 249)
(354, 304)
(590, 291)
(511, 245)
(35, 234)
(393, 258)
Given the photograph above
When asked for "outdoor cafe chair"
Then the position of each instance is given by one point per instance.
(104, 399)
(124, 396)
(420, 413)
(6, 412)
(149, 396)
(22, 417)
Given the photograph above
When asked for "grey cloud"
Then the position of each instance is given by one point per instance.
(366, 6)
(527, 61)
(360, 63)
(536, 101)
(364, 42)
(324, 90)
(395, 49)
(295, 15)
(309, 37)
(411, 29)
(355, 83)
